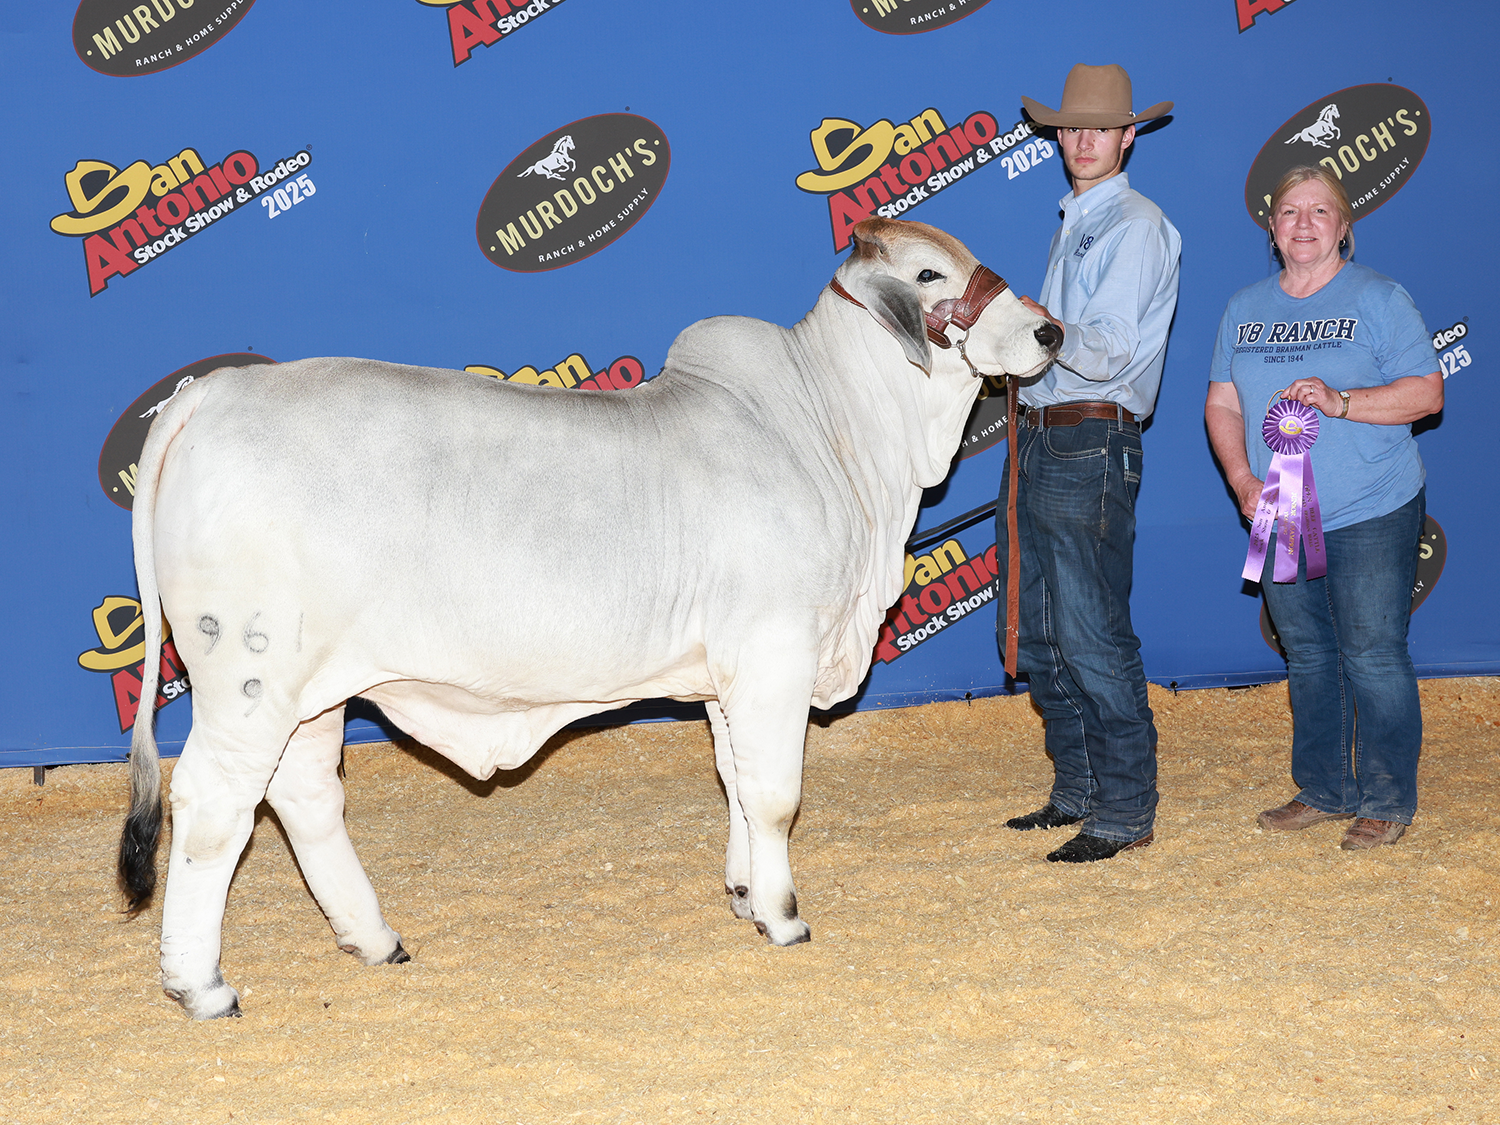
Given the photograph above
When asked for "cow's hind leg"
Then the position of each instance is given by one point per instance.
(737, 855)
(215, 787)
(765, 713)
(309, 798)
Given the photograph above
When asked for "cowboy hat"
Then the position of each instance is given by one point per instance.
(1094, 97)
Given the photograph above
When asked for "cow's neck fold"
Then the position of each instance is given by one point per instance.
(883, 392)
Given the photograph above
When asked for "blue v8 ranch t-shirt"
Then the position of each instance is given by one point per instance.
(1359, 330)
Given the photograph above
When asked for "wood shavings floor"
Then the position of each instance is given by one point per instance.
(575, 960)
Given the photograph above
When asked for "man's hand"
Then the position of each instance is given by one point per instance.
(1042, 312)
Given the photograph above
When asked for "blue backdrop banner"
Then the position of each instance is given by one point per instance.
(549, 191)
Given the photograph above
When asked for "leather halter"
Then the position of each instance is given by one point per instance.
(984, 286)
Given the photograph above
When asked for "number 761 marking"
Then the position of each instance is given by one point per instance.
(288, 195)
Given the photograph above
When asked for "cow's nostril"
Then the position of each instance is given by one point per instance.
(1048, 335)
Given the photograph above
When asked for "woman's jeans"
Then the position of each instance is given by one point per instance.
(1078, 651)
(1356, 714)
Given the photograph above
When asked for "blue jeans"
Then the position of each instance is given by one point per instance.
(1356, 714)
(1076, 519)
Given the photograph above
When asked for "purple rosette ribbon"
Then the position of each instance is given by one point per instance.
(1289, 500)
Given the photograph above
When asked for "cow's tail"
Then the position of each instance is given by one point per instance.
(142, 832)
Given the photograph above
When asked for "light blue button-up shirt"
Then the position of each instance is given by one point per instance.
(1112, 281)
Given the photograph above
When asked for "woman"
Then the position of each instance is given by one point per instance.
(1348, 342)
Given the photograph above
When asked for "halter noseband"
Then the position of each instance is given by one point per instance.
(984, 286)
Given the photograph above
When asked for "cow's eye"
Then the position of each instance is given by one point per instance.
(927, 276)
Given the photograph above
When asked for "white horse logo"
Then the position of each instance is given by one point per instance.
(556, 162)
(162, 405)
(1321, 131)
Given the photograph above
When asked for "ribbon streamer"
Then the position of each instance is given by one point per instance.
(1289, 500)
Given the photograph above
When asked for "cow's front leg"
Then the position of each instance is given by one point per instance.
(737, 854)
(214, 793)
(308, 797)
(765, 713)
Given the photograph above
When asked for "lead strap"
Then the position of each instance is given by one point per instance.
(1013, 554)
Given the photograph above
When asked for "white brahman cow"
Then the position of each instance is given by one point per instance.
(339, 527)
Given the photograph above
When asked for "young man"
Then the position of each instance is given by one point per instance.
(1112, 287)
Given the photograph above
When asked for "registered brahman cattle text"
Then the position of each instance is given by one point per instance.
(333, 528)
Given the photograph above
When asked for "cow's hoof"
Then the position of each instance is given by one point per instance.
(788, 931)
(739, 902)
(398, 956)
(214, 1003)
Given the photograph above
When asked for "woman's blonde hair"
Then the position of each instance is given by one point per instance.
(1299, 175)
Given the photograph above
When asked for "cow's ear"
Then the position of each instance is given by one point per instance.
(867, 241)
(896, 306)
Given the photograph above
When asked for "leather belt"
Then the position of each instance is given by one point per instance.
(1071, 413)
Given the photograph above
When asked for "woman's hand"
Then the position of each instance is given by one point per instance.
(1248, 489)
(1315, 393)
(1226, 433)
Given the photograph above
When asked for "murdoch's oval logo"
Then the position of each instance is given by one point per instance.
(1372, 137)
(122, 449)
(908, 17)
(122, 39)
(573, 192)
